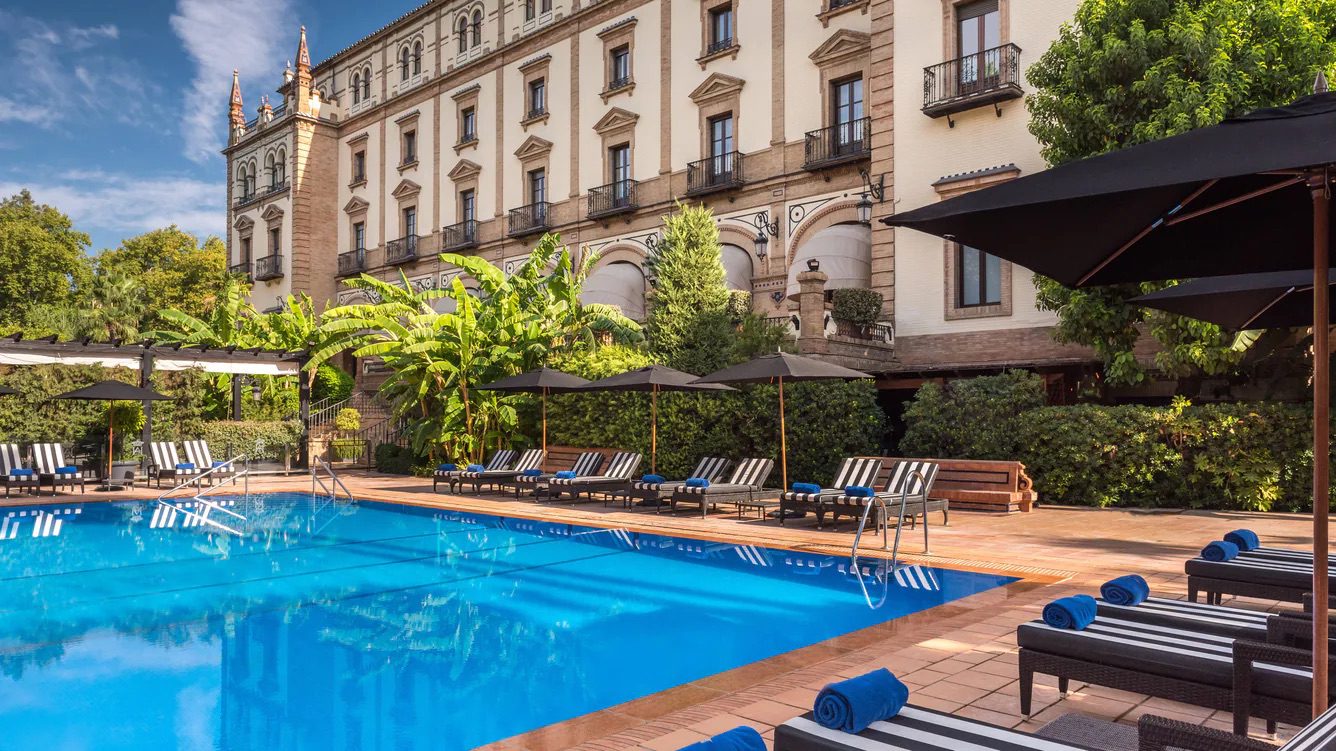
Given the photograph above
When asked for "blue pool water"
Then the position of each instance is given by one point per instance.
(379, 626)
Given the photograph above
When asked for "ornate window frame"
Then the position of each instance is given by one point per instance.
(949, 187)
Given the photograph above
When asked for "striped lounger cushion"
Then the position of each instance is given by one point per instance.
(914, 729)
(1195, 616)
(1254, 568)
(862, 472)
(1158, 650)
(710, 468)
(749, 475)
(499, 460)
(529, 460)
(1318, 735)
(623, 465)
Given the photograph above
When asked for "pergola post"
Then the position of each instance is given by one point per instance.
(304, 411)
(145, 382)
(236, 396)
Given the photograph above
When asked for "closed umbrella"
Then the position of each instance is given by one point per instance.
(778, 368)
(543, 381)
(1252, 194)
(112, 392)
(1274, 300)
(653, 379)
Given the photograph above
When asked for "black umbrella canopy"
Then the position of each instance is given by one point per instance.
(1281, 299)
(767, 368)
(653, 378)
(1134, 214)
(7, 391)
(536, 381)
(114, 391)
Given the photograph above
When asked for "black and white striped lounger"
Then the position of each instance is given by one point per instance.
(1268, 576)
(617, 476)
(500, 460)
(747, 480)
(914, 729)
(853, 471)
(198, 454)
(10, 460)
(51, 467)
(1187, 665)
(1192, 616)
(530, 459)
(656, 494)
(585, 464)
(164, 459)
(1163, 734)
(914, 477)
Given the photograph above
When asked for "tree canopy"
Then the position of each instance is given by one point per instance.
(688, 322)
(174, 269)
(42, 258)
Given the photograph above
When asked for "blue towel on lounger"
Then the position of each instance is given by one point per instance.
(565, 474)
(447, 467)
(859, 491)
(855, 704)
(653, 479)
(67, 470)
(217, 464)
(183, 465)
(1220, 551)
(806, 487)
(1245, 539)
(740, 738)
(532, 473)
(1075, 612)
(476, 468)
(20, 473)
(1125, 590)
(697, 482)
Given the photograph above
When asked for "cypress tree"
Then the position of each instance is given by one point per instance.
(688, 325)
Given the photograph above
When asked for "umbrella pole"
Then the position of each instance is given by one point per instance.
(653, 427)
(544, 419)
(111, 438)
(783, 440)
(1321, 433)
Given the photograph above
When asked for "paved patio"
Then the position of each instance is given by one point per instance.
(959, 657)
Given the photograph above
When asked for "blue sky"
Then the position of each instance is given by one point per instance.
(114, 112)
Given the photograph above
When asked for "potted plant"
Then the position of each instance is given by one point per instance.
(126, 420)
(346, 446)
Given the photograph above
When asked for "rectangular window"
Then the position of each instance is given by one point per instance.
(721, 28)
(619, 73)
(721, 145)
(847, 101)
(537, 186)
(359, 236)
(978, 29)
(537, 97)
(245, 250)
(410, 147)
(275, 246)
(468, 125)
(546, 5)
(467, 206)
(410, 222)
(528, 10)
(619, 164)
(978, 278)
(359, 166)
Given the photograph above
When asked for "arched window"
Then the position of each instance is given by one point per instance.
(477, 28)
(248, 188)
(463, 28)
(357, 88)
(242, 180)
(403, 63)
(269, 167)
(417, 58)
(366, 84)
(528, 10)
(281, 168)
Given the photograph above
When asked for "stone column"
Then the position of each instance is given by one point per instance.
(812, 312)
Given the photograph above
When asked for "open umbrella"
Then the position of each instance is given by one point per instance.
(7, 391)
(653, 379)
(1252, 194)
(112, 392)
(1273, 300)
(778, 368)
(543, 381)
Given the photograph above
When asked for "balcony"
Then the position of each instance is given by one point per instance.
(352, 262)
(461, 236)
(269, 267)
(989, 77)
(276, 187)
(721, 172)
(881, 333)
(402, 250)
(246, 198)
(838, 144)
(534, 114)
(614, 198)
(718, 46)
(242, 269)
(527, 220)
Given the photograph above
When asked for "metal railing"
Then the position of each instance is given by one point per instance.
(613, 198)
(269, 267)
(904, 500)
(460, 235)
(527, 220)
(986, 77)
(619, 83)
(226, 468)
(535, 113)
(276, 187)
(352, 262)
(719, 172)
(790, 323)
(839, 143)
(719, 45)
(323, 412)
(246, 198)
(837, 4)
(402, 250)
(872, 332)
(243, 268)
(318, 482)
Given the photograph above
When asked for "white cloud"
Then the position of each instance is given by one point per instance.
(253, 36)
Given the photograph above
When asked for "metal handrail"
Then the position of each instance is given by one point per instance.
(315, 480)
(904, 501)
(201, 492)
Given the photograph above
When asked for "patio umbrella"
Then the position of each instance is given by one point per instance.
(543, 381)
(1252, 194)
(653, 379)
(778, 368)
(1273, 300)
(112, 392)
(7, 391)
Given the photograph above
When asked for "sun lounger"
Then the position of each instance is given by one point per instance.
(618, 475)
(1252, 574)
(914, 477)
(914, 729)
(51, 467)
(13, 473)
(1162, 734)
(166, 463)
(198, 453)
(585, 464)
(747, 480)
(656, 494)
(500, 460)
(852, 472)
(529, 460)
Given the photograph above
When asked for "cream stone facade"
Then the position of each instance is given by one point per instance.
(475, 126)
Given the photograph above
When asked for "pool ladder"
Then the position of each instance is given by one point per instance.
(208, 505)
(904, 501)
(325, 496)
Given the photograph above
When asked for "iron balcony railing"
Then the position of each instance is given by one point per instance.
(871, 332)
(402, 250)
(246, 198)
(352, 262)
(614, 198)
(836, 4)
(619, 83)
(243, 268)
(269, 267)
(976, 80)
(526, 220)
(535, 113)
(837, 144)
(460, 236)
(719, 45)
(277, 186)
(719, 172)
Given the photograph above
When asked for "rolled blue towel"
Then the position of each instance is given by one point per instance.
(653, 479)
(1220, 551)
(806, 487)
(476, 468)
(1245, 539)
(216, 464)
(532, 473)
(70, 470)
(859, 491)
(447, 467)
(697, 482)
(740, 738)
(182, 465)
(1125, 590)
(20, 472)
(565, 474)
(1075, 612)
(855, 704)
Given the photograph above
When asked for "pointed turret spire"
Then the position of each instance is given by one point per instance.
(303, 55)
(236, 116)
(301, 93)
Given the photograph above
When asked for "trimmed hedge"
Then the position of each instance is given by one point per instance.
(862, 306)
(1247, 456)
(258, 440)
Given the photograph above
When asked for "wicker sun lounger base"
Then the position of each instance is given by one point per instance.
(1249, 575)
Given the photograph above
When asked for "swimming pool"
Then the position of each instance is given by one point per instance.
(380, 626)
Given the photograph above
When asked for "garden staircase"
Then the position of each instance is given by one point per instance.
(379, 425)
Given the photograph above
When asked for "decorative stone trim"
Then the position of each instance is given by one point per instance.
(271, 212)
(728, 52)
(534, 147)
(716, 86)
(622, 26)
(358, 139)
(464, 170)
(356, 205)
(466, 91)
(616, 120)
(538, 120)
(406, 188)
(357, 184)
(826, 13)
(463, 146)
(607, 94)
(406, 166)
(408, 119)
(529, 65)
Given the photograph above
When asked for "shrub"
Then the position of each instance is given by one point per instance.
(257, 440)
(394, 459)
(331, 383)
(862, 306)
(739, 304)
(348, 420)
(345, 449)
(973, 417)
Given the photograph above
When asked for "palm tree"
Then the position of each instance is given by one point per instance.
(114, 309)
